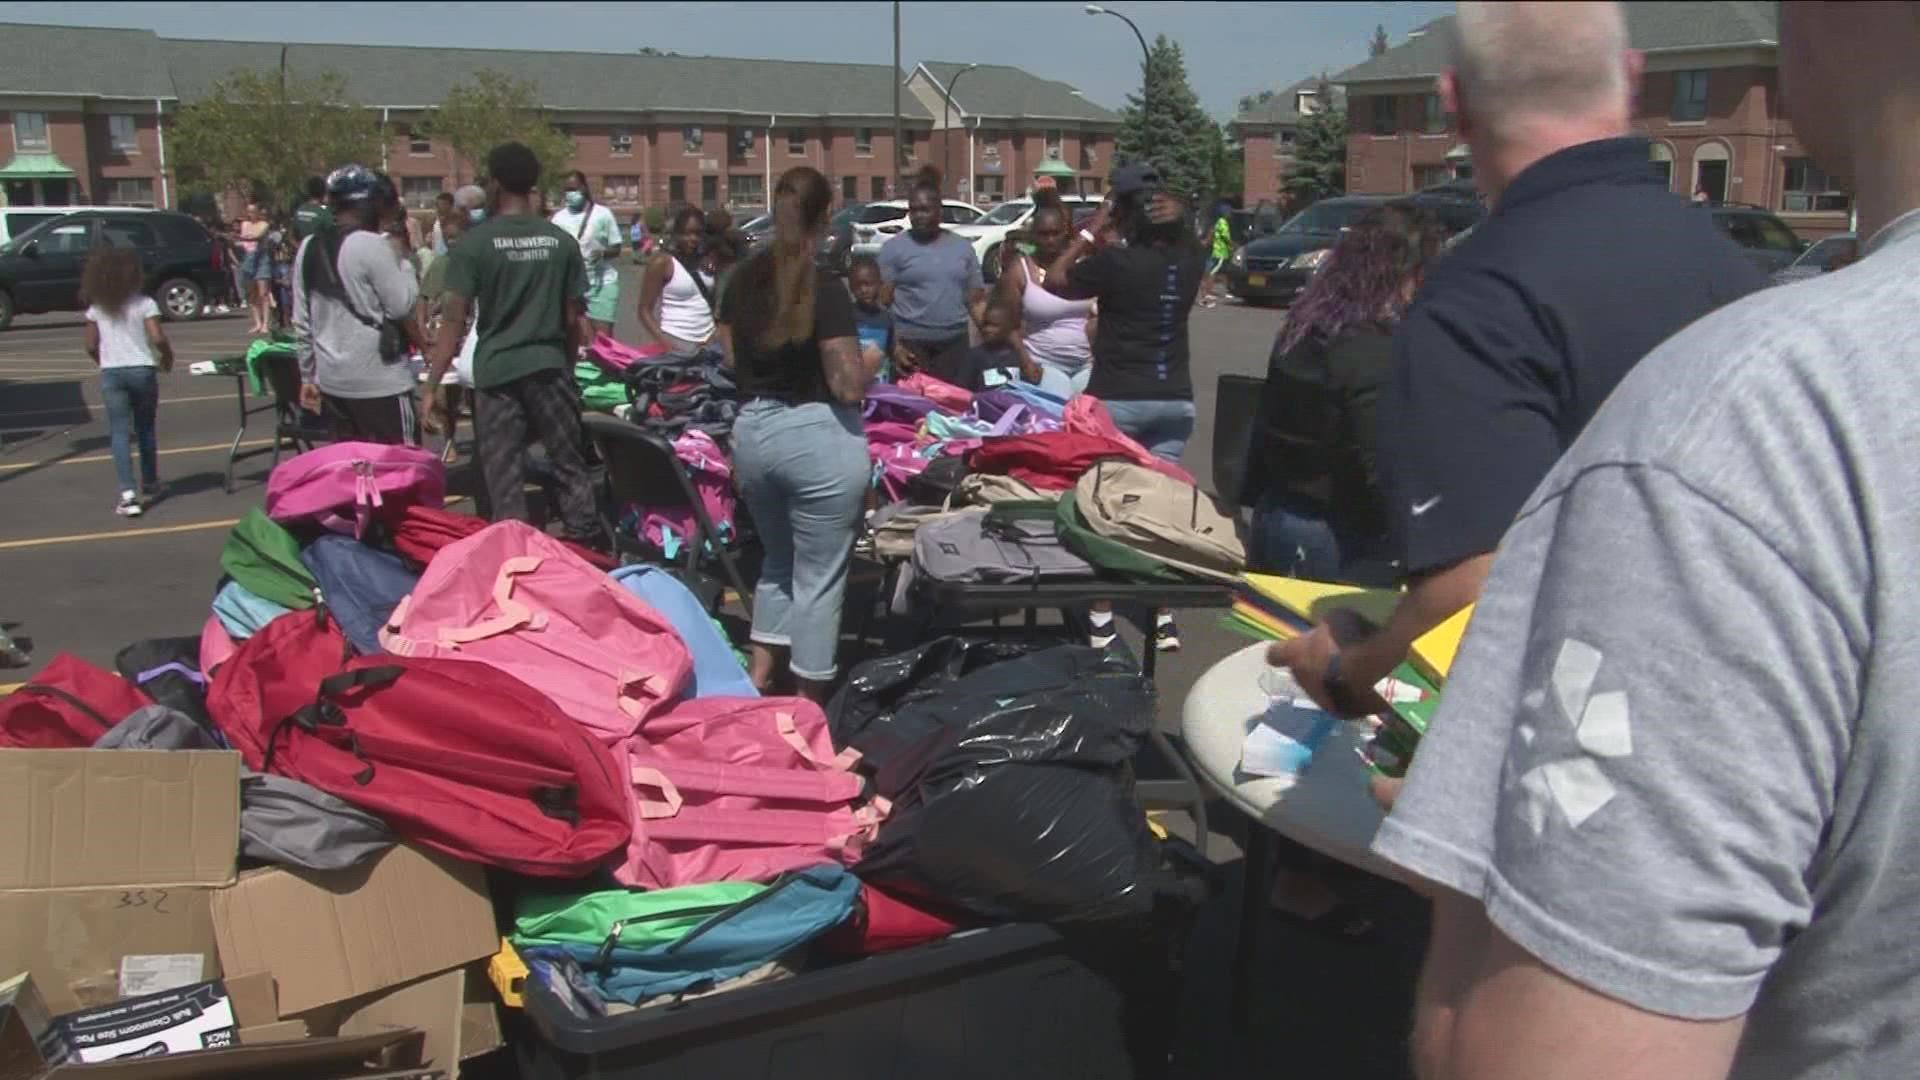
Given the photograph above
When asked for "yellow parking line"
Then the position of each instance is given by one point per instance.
(91, 405)
(114, 534)
(10, 687)
(92, 458)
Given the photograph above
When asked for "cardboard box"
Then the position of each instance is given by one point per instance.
(118, 818)
(277, 1032)
(23, 1023)
(78, 944)
(331, 936)
(454, 1010)
(183, 1021)
(339, 1057)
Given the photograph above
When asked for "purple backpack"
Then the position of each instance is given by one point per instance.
(341, 487)
(887, 402)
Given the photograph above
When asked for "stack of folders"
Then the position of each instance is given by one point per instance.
(1270, 608)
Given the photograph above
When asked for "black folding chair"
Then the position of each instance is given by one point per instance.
(1236, 407)
(642, 468)
(292, 425)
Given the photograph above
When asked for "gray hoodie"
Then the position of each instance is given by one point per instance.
(338, 350)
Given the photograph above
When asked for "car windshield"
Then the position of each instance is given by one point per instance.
(1325, 217)
(33, 233)
(846, 216)
(1007, 213)
(1818, 254)
(874, 215)
(764, 221)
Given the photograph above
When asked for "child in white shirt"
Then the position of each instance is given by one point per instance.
(124, 337)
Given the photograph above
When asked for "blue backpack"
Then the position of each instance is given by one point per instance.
(362, 586)
(737, 938)
(716, 670)
(242, 613)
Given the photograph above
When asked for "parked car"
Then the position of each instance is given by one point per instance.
(877, 223)
(1827, 254)
(15, 220)
(1273, 269)
(40, 269)
(991, 229)
(1768, 241)
(757, 231)
(836, 247)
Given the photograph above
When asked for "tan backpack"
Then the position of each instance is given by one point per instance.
(1162, 518)
(987, 489)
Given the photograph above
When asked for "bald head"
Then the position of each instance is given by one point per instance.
(1542, 62)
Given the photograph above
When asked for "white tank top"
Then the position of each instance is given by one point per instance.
(1056, 327)
(683, 312)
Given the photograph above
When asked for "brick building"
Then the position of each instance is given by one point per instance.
(85, 113)
(1266, 135)
(1710, 101)
(1001, 124)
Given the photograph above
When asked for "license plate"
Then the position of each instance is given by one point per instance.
(1256, 280)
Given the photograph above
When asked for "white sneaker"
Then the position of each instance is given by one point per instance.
(129, 505)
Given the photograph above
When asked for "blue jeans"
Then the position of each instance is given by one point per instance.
(1163, 427)
(1292, 544)
(803, 470)
(132, 395)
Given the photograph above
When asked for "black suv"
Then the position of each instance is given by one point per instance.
(1275, 267)
(1768, 241)
(40, 269)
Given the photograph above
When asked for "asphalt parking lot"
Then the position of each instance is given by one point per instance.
(74, 577)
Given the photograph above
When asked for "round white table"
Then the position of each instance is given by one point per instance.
(1327, 808)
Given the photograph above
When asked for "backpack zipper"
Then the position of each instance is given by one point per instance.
(54, 691)
(605, 955)
(275, 562)
(736, 908)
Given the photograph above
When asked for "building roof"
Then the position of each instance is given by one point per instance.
(410, 76)
(1652, 26)
(996, 90)
(1279, 110)
(82, 61)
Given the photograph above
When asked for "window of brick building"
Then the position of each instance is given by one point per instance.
(123, 133)
(620, 142)
(1426, 176)
(1283, 141)
(620, 189)
(30, 131)
(676, 189)
(1662, 157)
(1383, 115)
(989, 144)
(990, 188)
(747, 190)
(877, 185)
(863, 141)
(1689, 96)
(130, 191)
(692, 138)
(1808, 189)
(743, 142)
(1089, 157)
(1433, 115)
(419, 144)
(418, 192)
(796, 144)
(709, 190)
(849, 189)
(1053, 146)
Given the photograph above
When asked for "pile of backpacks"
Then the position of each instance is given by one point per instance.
(1011, 485)
(667, 395)
(389, 670)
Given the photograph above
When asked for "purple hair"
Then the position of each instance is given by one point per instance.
(1364, 278)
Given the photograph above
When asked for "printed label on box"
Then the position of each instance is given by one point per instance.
(198, 1017)
(166, 971)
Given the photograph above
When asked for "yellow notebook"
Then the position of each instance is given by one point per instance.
(1432, 654)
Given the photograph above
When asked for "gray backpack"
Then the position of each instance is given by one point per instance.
(1010, 542)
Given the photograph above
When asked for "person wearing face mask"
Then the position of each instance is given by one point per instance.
(592, 226)
(676, 291)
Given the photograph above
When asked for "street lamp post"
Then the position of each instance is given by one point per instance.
(1146, 59)
(946, 127)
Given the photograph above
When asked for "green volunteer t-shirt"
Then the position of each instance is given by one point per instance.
(1222, 239)
(310, 218)
(520, 271)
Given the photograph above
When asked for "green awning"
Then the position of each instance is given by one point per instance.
(1056, 169)
(36, 167)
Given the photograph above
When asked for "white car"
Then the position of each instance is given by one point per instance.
(991, 230)
(880, 222)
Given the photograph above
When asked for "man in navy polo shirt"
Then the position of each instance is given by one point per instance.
(1585, 264)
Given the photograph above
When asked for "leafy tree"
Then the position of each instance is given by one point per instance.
(1319, 154)
(493, 108)
(1379, 43)
(1169, 128)
(258, 134)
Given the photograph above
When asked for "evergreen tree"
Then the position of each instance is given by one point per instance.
(1168, 128)
(1319, 154)
(1379, 43)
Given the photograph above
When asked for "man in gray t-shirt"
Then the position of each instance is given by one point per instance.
(1670, 796)
(933, 286)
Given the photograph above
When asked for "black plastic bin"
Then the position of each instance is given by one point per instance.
(1006, 1003)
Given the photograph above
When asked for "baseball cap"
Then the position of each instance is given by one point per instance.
(1138, 176)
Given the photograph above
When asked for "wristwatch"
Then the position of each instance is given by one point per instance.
(1337, 691)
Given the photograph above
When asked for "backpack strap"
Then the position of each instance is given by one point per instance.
(843, 762)
(790, 785)
(175, 667)
(513, 614)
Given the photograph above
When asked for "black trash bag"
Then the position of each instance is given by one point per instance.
(1012, 787)
(168, 671)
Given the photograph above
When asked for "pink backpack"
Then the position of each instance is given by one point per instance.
(741, 789)
(618, 357)
(1086, 415)
(215, 645)
(515, 598)
(340, 487)
(944, 394)
(667, 528)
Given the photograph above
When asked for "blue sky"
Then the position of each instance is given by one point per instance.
(1231, 48)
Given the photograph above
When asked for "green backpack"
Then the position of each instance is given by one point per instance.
(630, 920)
(599, 390)
(1106, 553)
(265, 560)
